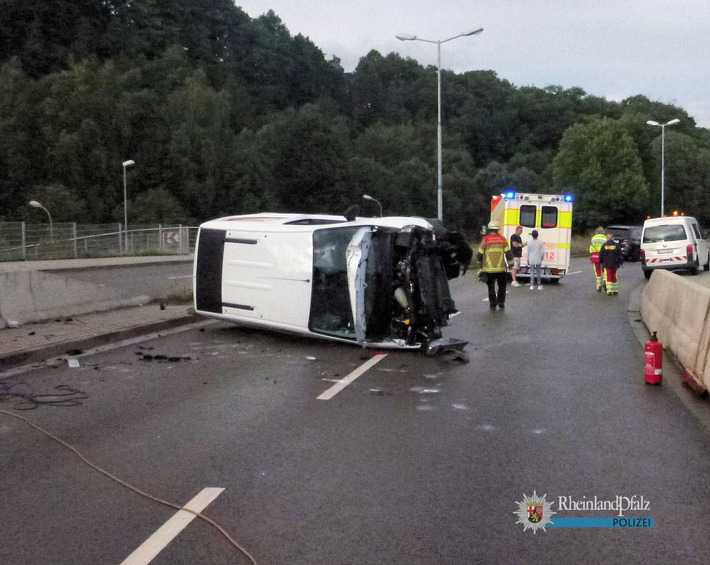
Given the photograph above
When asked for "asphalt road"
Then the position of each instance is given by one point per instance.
(419, 461)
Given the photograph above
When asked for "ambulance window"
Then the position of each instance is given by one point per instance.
(527, 216)
(549, 217)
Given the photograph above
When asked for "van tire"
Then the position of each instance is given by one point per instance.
(706, 267)
(694, 270)
(647, 274)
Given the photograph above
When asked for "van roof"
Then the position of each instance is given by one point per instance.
(299, 222)
(667, 220)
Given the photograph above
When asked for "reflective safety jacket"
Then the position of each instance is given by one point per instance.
(610, 255)
(598, 241)
(492, 252)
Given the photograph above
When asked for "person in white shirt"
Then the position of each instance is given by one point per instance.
(536, 253)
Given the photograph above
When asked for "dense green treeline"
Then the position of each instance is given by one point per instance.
(226, 114)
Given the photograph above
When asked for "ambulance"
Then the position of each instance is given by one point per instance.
(550, 215)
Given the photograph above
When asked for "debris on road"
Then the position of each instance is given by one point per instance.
(73, 363)
(424, 390)
(164, 358)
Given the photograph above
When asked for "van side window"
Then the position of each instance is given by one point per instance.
(527, 216)
(549, 217)
(698, 235)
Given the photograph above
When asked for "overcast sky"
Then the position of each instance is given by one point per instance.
(610, 48)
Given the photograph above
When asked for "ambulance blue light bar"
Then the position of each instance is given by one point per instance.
(569, 198)
(509, 194)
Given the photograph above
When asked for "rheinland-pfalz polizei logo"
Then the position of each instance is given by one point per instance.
(534, 512)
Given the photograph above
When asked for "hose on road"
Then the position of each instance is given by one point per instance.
(123, 483)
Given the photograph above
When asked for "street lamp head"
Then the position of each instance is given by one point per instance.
(652, 123)
(673, 122)
(34, 204)
(474, 32)
(405, 37)
(367, 197)
(129, 163)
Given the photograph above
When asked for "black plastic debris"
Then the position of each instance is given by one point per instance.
(163, 358)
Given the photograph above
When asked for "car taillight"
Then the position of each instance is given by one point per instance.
(642, 256)
(690, 252)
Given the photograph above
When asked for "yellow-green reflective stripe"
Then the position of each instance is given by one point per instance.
(564, 219)
(512, 217)
(538, 217)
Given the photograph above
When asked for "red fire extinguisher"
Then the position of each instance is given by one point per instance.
(653, 366)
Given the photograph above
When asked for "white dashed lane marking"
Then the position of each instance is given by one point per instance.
(337, 387)
(151, 547)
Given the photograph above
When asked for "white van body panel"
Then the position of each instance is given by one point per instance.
(262, 275)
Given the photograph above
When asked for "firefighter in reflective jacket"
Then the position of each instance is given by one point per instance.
(492, 255)
(598, 241)
(610, 259)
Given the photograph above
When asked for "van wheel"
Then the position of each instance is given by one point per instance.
(706, 267)
(694, 270)
(647, 274)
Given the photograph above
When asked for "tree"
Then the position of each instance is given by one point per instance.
(686, 175)
(599, 162)
(63, 203)
(154, 206)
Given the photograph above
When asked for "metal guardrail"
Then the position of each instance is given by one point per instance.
(20, 241)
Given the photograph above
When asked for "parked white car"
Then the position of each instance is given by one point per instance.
(378, 282)
(673, 243)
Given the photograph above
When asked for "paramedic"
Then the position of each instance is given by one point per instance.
(492, 255)
(610, 259)
(598, 241)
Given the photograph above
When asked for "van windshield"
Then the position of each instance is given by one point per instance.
(331, 312)
(655, 234)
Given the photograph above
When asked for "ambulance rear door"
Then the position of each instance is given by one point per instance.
(556, 237)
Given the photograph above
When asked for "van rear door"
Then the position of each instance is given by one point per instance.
(665, 244)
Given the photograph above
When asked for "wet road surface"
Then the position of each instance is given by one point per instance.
(418, 461)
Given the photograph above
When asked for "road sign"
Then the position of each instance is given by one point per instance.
(171, 238)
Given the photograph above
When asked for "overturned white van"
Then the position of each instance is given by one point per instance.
(379, 282)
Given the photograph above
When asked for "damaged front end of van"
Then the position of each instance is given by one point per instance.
(376, 282)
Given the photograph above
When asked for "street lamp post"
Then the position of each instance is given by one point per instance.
(126, 164)
(439, 176)
(36, 204)
(368, 197)
(663, 156)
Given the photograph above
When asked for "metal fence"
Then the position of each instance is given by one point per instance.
(21, 241)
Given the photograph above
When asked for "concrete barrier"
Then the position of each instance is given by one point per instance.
(33, 296)
(679, 311)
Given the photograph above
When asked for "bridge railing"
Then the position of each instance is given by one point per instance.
(21, 241)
